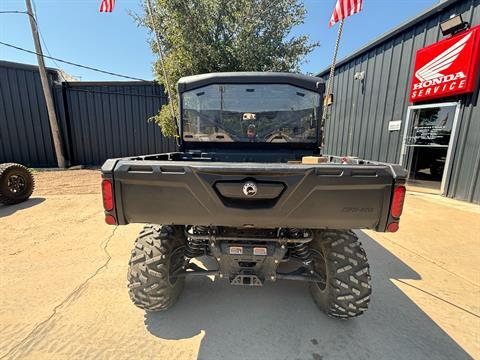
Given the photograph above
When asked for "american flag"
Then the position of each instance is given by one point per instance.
(107, 5)
(343, 9)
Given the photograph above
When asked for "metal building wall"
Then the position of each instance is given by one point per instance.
(108, 120)
(97, 120)
(362, 109)
(24, 126)
(464, 182)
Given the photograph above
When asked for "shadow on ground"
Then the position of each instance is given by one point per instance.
(6, 210)
(280, 321)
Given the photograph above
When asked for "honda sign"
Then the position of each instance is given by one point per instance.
(449, 67)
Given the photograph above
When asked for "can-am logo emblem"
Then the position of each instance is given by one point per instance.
(447, 68)
(250, 189)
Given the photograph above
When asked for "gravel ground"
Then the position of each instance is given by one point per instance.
(78, 182)
(63, 291)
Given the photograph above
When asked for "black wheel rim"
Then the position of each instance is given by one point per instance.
(16, 184)
(320, 267)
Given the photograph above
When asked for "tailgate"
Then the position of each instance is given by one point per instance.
(282, 195)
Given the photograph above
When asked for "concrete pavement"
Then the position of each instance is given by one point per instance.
(63, 291)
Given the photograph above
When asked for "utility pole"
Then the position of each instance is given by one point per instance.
(52, 116)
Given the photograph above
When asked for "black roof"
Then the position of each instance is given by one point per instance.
(22, 66)
(303, 81)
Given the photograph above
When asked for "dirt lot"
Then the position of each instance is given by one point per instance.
(63, 291)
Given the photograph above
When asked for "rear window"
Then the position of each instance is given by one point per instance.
(276, 113)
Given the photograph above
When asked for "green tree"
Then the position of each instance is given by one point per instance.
(201, 36)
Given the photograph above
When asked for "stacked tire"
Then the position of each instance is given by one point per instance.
(16, 183)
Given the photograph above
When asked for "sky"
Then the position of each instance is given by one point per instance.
(76, 31)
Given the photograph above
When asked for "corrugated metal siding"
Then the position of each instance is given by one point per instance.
(464, 182)
(108, 120)
(24, 127)
(362, 110)
(97, 120)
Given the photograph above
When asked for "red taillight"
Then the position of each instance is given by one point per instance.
(392, 227)
(397, 201)
(107, 193)
(110, 220)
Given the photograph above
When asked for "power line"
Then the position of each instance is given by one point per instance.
(89, 91)
(54, 59)
(14, 12)
(19, 12)
(35, 16)
(72, 63)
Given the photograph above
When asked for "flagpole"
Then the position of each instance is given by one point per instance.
(331, 78)
(162, 62)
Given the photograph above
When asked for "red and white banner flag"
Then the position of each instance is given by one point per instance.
(107, 5)
(343, 9)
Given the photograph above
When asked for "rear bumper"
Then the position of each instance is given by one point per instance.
(312, 196)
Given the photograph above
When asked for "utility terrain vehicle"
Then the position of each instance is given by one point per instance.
(16, 183)
(250, 190)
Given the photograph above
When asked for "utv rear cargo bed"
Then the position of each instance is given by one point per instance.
(319, 196)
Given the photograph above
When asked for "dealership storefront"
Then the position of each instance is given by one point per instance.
(411, 97)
